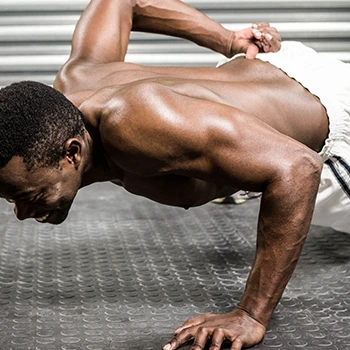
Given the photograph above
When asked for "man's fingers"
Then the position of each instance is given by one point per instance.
(252, 51)
(267, 35)
(274, 32)
(260, 25)
(275, 44)
(200, 336)
(178, 340)
(191, 322)
(186, 325)
(271, 35)
(266, 47)
(217, 339)
(236, 344)
(271, 41)
(200, 340)
(257, 33)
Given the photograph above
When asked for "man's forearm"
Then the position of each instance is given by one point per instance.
(269, 276)
(175, 18)
(284, 221)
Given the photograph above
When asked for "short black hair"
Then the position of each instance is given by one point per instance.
(35, 122)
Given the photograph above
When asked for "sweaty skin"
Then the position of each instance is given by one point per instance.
(184, 136)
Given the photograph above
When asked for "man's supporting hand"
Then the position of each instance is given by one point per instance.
(260, 37)
(237, 327)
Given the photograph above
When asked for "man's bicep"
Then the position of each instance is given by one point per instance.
(102, 32)
(101, 36)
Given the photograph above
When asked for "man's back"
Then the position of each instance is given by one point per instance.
(244, 84)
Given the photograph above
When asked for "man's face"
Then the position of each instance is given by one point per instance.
(45, 194)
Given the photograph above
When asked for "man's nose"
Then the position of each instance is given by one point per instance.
(23, 211)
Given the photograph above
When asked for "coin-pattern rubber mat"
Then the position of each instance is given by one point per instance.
(124, 272)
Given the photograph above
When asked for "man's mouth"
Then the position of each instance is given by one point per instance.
(44, 217)
(54, 217)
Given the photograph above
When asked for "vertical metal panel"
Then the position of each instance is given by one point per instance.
(35, 34)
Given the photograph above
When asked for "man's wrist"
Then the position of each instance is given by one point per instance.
(259, 310)
(264, 324)
(231, 39)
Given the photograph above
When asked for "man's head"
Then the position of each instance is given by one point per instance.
(41, 135)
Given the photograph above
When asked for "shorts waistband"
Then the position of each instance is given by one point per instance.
(338, 139)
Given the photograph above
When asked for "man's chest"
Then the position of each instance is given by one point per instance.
(174, 190)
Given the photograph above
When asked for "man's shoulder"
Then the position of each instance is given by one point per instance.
(108, 108)
(131, 101)
(140, 108)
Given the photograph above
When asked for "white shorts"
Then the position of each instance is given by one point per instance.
(329, 80)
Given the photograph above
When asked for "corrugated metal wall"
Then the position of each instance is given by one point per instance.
(35, 34)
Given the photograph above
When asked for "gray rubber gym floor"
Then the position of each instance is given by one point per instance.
(123, 273)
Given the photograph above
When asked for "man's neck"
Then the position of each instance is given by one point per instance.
(96, 167)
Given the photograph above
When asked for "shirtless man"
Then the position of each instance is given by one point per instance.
(179, 136)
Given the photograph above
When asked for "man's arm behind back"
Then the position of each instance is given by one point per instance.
(102, 36)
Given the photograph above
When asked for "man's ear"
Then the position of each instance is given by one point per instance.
(72, 152)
